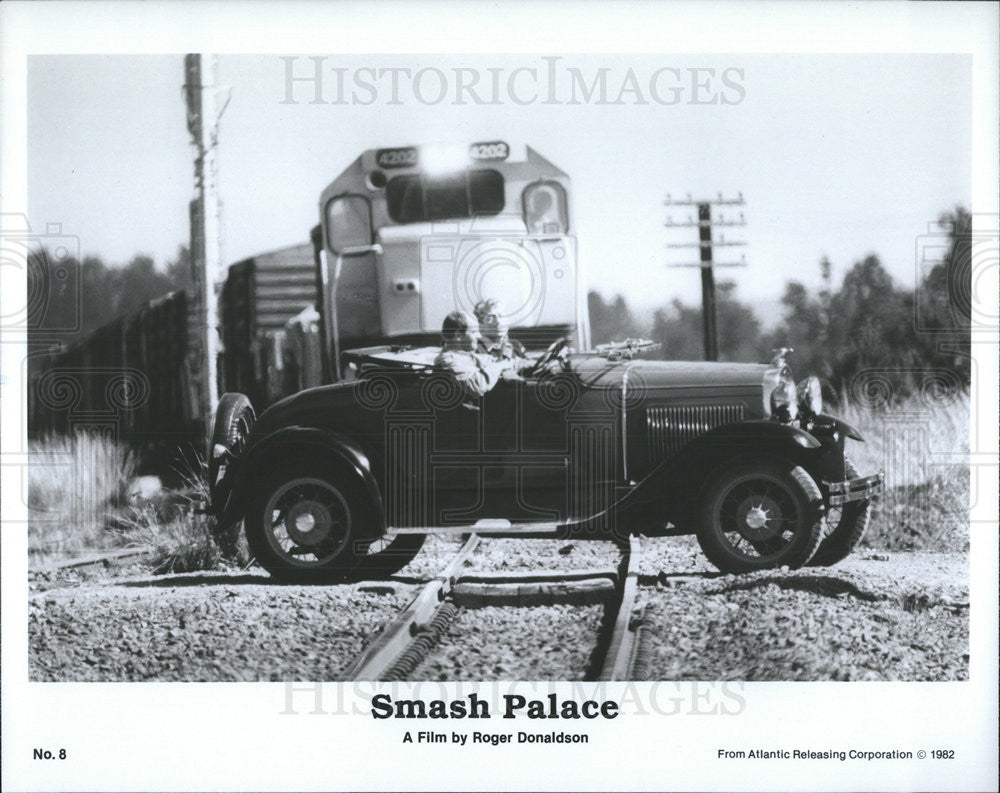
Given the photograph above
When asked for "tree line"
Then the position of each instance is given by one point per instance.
(70, 298)
(866, 324)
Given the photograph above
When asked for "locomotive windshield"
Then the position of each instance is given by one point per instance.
(415, 198)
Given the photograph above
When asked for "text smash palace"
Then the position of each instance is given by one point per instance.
(474, 707)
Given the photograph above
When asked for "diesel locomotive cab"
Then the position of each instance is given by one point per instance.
(409, 234)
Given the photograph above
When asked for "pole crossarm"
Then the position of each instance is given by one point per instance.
(707, 244)
(690, 224)
(709, 264)
(693, 202)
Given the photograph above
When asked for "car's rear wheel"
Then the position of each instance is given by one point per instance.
(302, 521)
(759, 515)
(846, 525)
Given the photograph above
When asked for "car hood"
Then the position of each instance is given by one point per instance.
(598, 372)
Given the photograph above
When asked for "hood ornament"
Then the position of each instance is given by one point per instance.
(779, 356)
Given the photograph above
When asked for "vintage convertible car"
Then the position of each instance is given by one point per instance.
(347, 479)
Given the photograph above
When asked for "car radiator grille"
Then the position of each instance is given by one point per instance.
(671, 428)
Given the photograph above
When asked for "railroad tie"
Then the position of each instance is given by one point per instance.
(540, 593)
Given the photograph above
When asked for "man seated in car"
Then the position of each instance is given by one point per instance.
(493, 330)
(476, 372)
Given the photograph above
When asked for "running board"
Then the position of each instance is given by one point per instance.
(486, 528)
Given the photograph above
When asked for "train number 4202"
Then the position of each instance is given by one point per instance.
(48, 754)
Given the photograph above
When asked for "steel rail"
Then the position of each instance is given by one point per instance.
(107, 559)
(625, 633)
(396, 637)
(403, 644)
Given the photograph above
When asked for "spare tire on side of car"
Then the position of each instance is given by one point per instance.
(845, 527)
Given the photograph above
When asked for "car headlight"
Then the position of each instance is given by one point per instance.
(810, 396)
(784, 401)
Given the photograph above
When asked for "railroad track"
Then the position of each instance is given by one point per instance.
(405, 642)
(104, 560)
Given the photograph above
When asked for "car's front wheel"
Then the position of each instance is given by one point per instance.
(387, 555)
(759, 515)
(302, 522)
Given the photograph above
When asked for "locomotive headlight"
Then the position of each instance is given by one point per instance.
(441, 158)
(810, 396)
(784, 403)
(545, 208)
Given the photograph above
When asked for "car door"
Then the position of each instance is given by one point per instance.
(527, 426)
(502, 456)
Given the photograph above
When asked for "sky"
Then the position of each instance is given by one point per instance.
(835, 155)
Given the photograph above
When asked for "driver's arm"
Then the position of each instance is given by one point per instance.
(522, 365)
(477, 374)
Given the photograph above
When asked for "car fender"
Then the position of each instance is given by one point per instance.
(841, 426)
(351, 457)
(671, 487)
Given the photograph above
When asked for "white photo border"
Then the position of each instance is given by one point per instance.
(234, 736)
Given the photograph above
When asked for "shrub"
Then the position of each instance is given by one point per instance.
(181, 539)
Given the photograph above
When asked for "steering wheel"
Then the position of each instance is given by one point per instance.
(554, 351)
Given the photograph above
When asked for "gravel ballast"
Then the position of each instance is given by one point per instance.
(520, 640)
(513, 555)
(515, 643)
(872, 617)
(169, 630)
(875, 616)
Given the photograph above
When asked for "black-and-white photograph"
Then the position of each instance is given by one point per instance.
(505, 383)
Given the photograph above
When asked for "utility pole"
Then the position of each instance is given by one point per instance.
(707, 264)
(206, 256)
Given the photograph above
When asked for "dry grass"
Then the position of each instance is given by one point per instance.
(914, 442)
(80, 502)
(923, 447)
(74, 485)
(181, 539)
